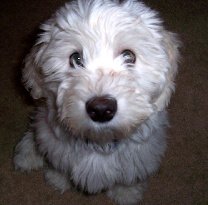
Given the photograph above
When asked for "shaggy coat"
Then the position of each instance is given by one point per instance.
(99, 51)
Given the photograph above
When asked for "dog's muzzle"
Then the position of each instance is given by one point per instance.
(101, 109)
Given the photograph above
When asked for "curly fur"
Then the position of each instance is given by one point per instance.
(118, 155)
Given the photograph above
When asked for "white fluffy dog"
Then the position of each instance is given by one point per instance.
(106, 70)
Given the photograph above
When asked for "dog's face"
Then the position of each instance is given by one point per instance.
(105, 66)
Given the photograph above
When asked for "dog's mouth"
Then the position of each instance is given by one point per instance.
(105, 134)
(104, 148)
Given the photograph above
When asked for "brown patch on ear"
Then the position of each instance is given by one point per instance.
(171, 45)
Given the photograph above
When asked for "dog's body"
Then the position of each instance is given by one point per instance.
(106, 70)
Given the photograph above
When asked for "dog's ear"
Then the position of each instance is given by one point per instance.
(32, 76)
(171, 45)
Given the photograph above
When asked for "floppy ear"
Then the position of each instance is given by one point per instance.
(171, 45)
(31, 75)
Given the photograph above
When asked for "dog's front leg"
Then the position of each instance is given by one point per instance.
(26, 157)
(127, 195)
(58, 180)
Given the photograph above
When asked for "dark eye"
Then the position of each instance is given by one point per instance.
(76, 60)
(129, 57)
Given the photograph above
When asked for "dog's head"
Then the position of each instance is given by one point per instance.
(105, 66)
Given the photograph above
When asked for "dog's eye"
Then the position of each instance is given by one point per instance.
(76, 60)
(129, 57)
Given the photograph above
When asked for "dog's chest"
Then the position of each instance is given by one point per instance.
(95, 172)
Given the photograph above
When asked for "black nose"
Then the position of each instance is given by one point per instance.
(101, 109)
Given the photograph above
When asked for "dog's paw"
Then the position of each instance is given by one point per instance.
(127, 195)
(57, 180)
(26, 157)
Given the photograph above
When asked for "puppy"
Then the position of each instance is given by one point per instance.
(105, 69)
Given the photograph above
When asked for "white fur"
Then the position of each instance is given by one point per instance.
(127, 194)
(28, 157)
(58, 180)
(77, 149)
